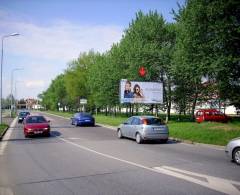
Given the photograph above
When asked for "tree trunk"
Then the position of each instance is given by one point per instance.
(169, 100)
(106, 112)
(194, 105)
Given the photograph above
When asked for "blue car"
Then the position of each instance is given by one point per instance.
(82, 118)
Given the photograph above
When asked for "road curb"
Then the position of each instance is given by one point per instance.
(175, 139)
(190, 142)
(172, 138)
(3, 133)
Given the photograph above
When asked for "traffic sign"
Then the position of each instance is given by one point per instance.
(83, 101)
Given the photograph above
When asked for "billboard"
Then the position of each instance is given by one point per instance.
(141, 92)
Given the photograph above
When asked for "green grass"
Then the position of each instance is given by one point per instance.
(110, 120)
(207, 132)
(2, 128)
(64, 114)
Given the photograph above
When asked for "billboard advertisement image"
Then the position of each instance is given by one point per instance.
(141, 92)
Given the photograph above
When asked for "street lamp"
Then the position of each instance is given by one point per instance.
(3, 37)
(15, 69)
(15, 94)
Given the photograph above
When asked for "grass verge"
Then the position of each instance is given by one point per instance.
(64, 114)
(2, 128)
(207, 132)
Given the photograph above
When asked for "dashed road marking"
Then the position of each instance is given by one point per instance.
(6, 191)
(214, 183)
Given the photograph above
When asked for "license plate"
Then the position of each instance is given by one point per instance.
(87, 120)
(157, 129)
(37, 132)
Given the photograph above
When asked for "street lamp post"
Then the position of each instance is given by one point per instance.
(15, 94)
(3, 37)
(15, 69)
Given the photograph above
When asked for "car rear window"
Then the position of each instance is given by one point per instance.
(36, 119)
(85, 115)
(23, 114)
(153, 121)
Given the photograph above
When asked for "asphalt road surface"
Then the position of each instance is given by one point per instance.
(92, 160)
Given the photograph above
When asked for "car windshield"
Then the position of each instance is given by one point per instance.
(23, 114)
(84, 115)
(153, 121)
(36, 119)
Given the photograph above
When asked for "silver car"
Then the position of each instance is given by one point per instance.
(143, 128)
(233, 150)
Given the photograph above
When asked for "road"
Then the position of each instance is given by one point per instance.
(92, 160)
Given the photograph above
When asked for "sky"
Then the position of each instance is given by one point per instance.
(54, 32)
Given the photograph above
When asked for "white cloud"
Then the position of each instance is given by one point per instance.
(61, 40)
(44, 50)
(34, 83)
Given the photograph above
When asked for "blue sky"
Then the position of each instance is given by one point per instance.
(55, 32)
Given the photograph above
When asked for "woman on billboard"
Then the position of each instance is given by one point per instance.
(137, 93)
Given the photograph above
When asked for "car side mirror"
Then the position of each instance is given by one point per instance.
(125, 123)
(48, 121)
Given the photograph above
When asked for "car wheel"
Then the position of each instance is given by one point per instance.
(236, 156)
(119, 134)
(26, 136)
(75, 123)
(47, 135)
(139, 139)
(164, 141)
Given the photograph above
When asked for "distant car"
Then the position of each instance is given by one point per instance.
(22, 115)
(233, 150)
(82, 118)
(211, 115)
(36, 125)
(143, 128)
(238, 111)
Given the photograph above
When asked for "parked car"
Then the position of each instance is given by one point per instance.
(82, 118)
(233, 150)
(211, 115)
(36, 125)
(238, 111)
(22, 115)
(143, 128)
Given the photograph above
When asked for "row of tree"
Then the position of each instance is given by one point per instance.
(197, 58)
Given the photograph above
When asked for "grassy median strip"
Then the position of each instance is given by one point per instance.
(207, 132)
(2, 128)
(64, 114)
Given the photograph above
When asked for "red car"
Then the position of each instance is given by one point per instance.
(211, 115)
(36, 125)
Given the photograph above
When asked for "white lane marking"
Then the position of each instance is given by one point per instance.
(6, 137)
(214, 183)
(75, 138)
(6, 191)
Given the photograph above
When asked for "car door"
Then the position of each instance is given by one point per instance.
(134, 127)
(126, 127)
